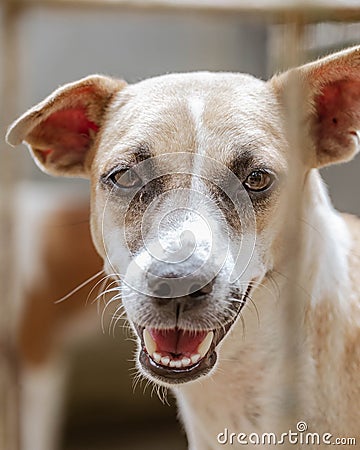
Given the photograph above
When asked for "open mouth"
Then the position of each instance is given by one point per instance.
(177, 356)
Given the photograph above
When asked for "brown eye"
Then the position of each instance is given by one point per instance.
(258, 180)
(125, 179)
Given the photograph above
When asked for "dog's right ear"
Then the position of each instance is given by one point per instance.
(62, 129)
(330, 113)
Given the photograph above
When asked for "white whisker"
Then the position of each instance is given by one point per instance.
(80, 286)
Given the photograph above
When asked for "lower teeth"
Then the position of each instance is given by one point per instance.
(176, 363)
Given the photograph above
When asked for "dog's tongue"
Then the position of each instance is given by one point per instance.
(177, 341)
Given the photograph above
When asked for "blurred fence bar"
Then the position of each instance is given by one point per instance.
(294, 38)
(295, 14)
(315, 10)
(9, 435)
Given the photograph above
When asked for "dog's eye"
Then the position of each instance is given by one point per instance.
(125, 179)
(258, 180)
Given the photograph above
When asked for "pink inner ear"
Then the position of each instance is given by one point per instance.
(67, 130)
(338, 119)
(328, 100)
(338, 104)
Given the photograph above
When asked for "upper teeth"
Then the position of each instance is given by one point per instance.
(167, 360)
(195, 358)
(150, 344)
(205, 345)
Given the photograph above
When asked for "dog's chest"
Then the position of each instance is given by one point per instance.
(242, 396)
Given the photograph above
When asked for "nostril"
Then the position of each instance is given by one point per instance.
(162, 289)
(196, 290)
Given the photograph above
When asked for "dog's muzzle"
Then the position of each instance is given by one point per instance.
(182, 304)
(176, 355)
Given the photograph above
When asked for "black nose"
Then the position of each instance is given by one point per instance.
(187, 283)
(193, 294)
(162, 289)
(166, 288)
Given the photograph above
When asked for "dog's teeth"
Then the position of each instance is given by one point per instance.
(186, 361)
(176, 363)
(165, 360)
(150, 344)
(195, 358)
(205, 345)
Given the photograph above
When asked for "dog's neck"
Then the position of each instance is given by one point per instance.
(248, 383)
(326, 244)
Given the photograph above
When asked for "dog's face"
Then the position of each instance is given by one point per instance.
(188, 176)
(185, 189)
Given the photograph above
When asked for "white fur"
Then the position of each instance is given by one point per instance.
(196, 107)
(327, 242)
(240, 382)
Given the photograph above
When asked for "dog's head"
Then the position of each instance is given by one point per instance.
(188, 175)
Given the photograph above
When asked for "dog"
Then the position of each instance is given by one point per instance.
(53, 255)
(191, 183)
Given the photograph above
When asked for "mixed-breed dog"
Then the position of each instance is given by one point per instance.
(191, 182)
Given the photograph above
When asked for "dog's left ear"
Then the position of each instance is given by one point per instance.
(331, 91)
(62, 129)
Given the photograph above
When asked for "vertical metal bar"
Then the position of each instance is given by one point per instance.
(288, 50)
(292, 55)
(9, 429)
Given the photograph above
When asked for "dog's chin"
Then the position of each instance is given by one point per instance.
(195, 354)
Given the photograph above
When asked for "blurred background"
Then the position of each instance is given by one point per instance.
(45, 47)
